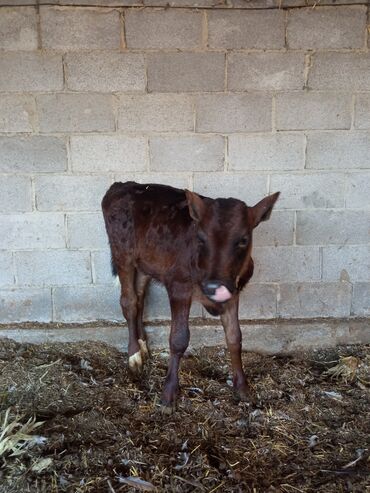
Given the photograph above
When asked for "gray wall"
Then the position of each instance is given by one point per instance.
(225, 101)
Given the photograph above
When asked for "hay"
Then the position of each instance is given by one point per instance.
(16, 437)
(309, 430)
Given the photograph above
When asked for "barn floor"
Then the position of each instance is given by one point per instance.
(309, 430)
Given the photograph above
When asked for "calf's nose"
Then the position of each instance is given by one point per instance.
(209, 287)
(216, 291)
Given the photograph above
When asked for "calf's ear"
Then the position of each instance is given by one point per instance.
(262, 210)
(196, 205)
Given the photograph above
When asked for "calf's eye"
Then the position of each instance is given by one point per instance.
(201, 239)
(243, 242)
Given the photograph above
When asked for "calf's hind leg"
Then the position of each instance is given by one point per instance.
(141, 284)
(129, 305)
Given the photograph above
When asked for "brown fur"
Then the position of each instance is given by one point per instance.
(186, 242)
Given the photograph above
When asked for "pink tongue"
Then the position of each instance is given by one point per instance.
(221, 294)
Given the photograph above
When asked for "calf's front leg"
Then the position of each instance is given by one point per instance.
(179, 341)
(233, 335)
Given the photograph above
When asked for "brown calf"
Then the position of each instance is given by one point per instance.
(198, 247)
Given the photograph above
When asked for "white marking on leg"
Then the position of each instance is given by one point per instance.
(135, 362)
(143, 347)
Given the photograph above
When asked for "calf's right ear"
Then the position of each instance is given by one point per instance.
(195, 204)
(262, 210)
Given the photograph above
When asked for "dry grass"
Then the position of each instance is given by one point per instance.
(15, 436)
(309, 430)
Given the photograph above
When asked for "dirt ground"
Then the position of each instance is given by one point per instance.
(72, 420)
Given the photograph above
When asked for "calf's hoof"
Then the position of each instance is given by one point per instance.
(168, 399)
(168, 409)
(245, 395)
(135, 363)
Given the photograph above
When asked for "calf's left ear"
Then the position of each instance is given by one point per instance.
(196, 205)
(262, 210)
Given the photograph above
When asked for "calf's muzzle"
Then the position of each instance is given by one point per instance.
(216, 291)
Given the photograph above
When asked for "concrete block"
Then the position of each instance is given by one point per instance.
(235, 29)
(18, 28)
(101, 266)
(333, 227)
(266, 152)
(157, 305)
(163, 29)
(70, 193)
(75, 112)
(187, 153)
(290, 337)
(258, 301)
(359, 332)
(362, 111)
(326, 28)
(262, 338)
(251, 4)
(94, 3)
(180, 3)
(309, 191)
(26, 71)
(32, 154)
(6, 271)
(286, 264)
(280, 337)
(80, 29)
(357, 190)
(105, 71)
(15, 194)
(277, 231)
(25, 305)
(17, 2)
(249, 188)
(20, 231)
(340, 71)
(313, 110)
(311, 300)
(16, 113)
(346, 263)
(361, 301)
(54, 267)
(104, 153)
(111, 334)
(99, 303)
(191, 3)
(339, 150)
(313, 3)
(227, 113)
(186, 72)
(86, 230)
(259, 337)
(177, 180)
(265, 71)
(200, 336)
(155, 113)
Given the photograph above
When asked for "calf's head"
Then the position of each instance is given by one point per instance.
(223, 236)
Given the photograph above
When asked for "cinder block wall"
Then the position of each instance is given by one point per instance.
(241, 99)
